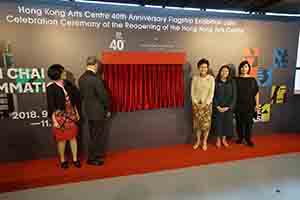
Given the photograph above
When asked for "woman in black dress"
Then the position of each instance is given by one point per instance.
(223, 105)
(247, 103)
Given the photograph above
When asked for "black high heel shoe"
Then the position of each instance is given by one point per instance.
(250, 143)
(77, 164)
(239, 141)
(64, 165)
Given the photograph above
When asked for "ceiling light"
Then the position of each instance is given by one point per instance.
(227, 11)
(194, 9)
(153, 6)
(174, 8)
(282, 14)
(108, 3)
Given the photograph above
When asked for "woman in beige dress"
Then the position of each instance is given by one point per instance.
(202, 91)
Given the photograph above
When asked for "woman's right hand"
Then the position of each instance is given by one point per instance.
(55, 125)
(220, 109)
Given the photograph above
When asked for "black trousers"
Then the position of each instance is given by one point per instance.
(97, 139)
(244, 123)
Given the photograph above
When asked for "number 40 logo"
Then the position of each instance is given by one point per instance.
(117, 45)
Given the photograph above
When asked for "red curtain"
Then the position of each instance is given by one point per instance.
(140, 87)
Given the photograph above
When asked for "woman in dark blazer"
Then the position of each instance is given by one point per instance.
(63, 101)
(223, 105)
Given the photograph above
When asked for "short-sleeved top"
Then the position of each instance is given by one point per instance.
(247, 89)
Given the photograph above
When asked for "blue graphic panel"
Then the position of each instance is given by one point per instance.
(280, 58)
(264, 77)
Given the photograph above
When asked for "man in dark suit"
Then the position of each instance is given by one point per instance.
(95, 103)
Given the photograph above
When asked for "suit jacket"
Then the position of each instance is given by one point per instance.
(94, 96)
(56, 99)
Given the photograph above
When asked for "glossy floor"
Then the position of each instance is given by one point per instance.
(268, 178)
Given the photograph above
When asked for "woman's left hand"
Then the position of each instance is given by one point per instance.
(257, 108)
(77, 117)
(77, 114)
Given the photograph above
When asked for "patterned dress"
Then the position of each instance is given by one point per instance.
(202, 117)
(202, 92)
(66, 119)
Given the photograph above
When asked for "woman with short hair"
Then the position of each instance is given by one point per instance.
(247, 104)
(202, 91)
(63, 103)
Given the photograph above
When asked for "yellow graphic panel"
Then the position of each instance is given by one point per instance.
(278, 95)
(265, 112)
